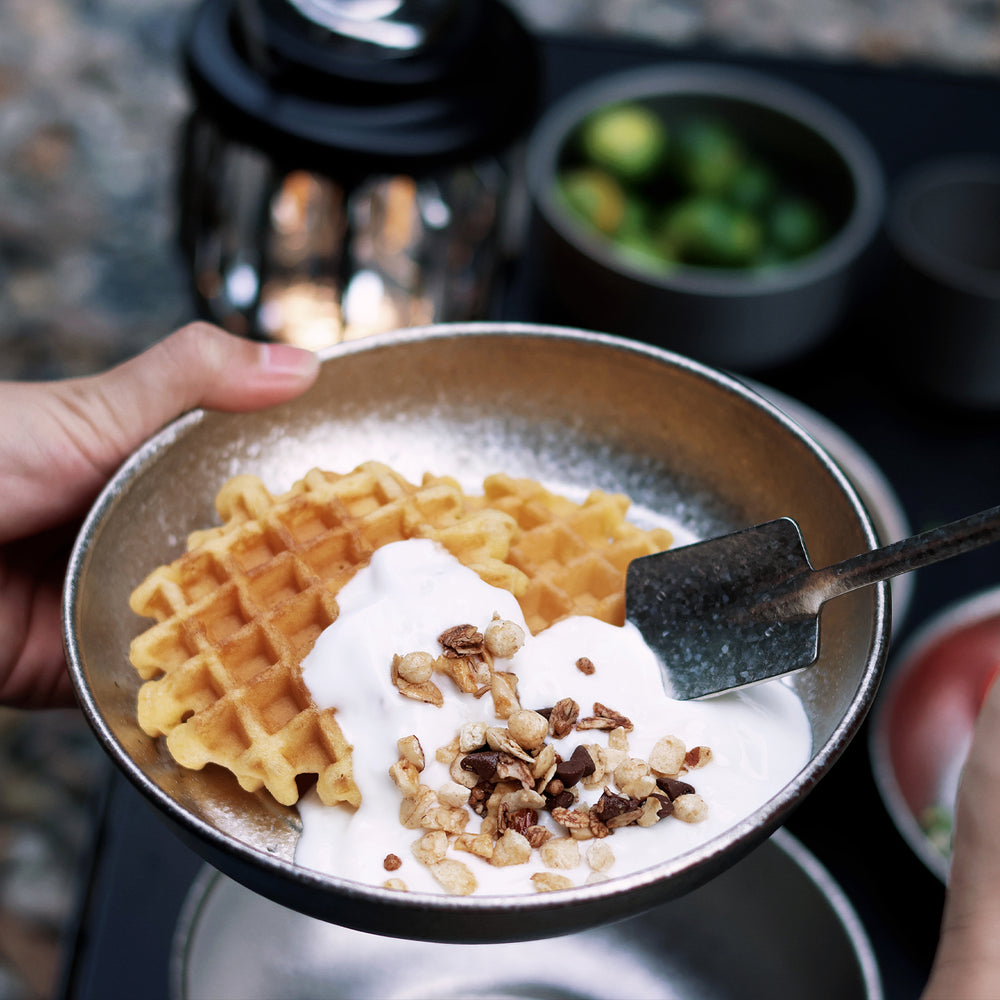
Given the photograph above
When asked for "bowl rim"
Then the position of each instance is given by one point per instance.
(736, 84)
(642, 885)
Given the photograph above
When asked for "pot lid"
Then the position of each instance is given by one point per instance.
(367, 85)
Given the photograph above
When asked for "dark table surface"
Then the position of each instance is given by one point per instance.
(941, 463)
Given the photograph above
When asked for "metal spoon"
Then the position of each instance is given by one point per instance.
(738, 609)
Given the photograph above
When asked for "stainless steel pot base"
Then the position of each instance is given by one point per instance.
(774, 925)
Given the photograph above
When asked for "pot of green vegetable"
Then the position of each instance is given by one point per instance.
(718, 212)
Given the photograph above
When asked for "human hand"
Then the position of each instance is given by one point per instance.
(967, 963)
(60, 442)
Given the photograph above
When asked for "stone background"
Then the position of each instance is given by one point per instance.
(90, 106)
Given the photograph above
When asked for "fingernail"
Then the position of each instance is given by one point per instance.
(283, 359)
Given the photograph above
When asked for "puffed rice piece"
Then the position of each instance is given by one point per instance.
(472, 736)
(503, 638)
(690, 808)
(560, 852)
(528, 728)
(618, 739)
(431, 848)
(415, 667)
(550, 882)
(452, 794)
(600, 857)
(666, 760)
(455, 877)
(511, 849)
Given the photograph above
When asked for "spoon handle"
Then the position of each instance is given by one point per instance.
(923, 549)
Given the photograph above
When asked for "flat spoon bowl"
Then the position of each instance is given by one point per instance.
(744, 607)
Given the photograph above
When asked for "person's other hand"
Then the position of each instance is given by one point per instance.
(60, 442)
(967, 963)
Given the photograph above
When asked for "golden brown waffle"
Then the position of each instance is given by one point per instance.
(574, 555)
(237, 613)
(240, 609)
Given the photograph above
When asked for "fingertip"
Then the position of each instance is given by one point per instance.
(285, 360)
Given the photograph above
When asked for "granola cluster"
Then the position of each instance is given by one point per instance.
(508, 772)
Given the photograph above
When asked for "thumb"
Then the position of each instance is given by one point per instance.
(201, 365)
(198, 366)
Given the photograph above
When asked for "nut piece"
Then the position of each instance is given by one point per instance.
(528, 728)
(406, 777)
(503, 688)
(691, 808)
(563, 717)
(605, 718)
(410, 750)
(697, 757)
(503, 638)
(585, 665)
(392, 863)
(394, 883)
(461, 640)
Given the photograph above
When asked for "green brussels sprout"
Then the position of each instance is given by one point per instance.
(593, 196)
(709, 232)
(753, 186)
(707, 156)
(795, 226)
(629, 140)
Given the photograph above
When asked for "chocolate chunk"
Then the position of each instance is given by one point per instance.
(482, 763)
(666, 806)
(673, 787)
(564, 800)
(611, 806)
(579, 765)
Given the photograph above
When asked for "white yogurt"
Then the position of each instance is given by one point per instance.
(409, 594)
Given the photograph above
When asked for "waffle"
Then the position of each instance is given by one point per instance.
(237, 613)
(574, 555)
(239, 610)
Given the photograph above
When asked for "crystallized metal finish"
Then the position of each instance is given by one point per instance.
(575, 410)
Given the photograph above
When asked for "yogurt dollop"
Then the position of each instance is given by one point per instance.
(409, 594)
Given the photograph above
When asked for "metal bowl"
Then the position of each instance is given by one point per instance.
(574, 409)
(747, 321)
(776, 924)
(922, 725)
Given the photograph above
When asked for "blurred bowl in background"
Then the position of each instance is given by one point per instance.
(944, 226)
(923, 719)
(741, 155)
